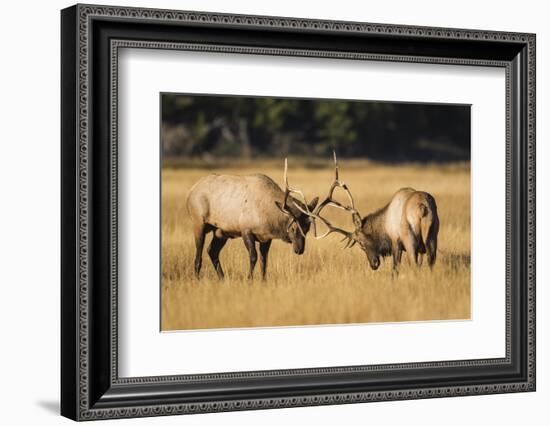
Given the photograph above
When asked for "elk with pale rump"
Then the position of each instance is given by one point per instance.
(253, 208)
(409, 222)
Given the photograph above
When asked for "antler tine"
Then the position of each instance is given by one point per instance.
(289, 190)
(335, 165)
(330, 228)
(329, 201)
(337, 183)
(285, 175)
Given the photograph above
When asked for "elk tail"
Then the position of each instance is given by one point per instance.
(422, 227)
(426, 225)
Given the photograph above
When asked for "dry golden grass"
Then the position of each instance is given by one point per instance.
(327, 284)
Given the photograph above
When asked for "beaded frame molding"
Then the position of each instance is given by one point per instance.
(91, 38)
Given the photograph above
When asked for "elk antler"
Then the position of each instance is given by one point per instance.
(329, 201)
(285, 209)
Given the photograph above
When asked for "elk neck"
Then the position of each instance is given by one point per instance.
(374, 226)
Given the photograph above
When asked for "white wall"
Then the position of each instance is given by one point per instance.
(29, 225)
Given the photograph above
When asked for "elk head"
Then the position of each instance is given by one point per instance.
(299, 215)
(357, 236)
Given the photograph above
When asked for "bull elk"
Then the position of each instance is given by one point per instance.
(253, 208)
(409, 222)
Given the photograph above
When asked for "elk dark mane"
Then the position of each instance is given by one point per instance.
(373, 225)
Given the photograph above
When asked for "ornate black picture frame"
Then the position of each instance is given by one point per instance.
(91, 388)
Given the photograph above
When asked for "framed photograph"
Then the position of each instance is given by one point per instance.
(264, 212)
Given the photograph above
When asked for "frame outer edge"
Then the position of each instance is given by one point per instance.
(531, 200)
(68, 153)
(83, 13)
(83, 198)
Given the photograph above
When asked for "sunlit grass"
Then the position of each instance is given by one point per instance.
(327, 284)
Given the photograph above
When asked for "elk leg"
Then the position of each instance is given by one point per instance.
(250, 243)
(431, 251)
(411, 249)
(396, 254)
(214, 249)
(200, 233)
(264, 250)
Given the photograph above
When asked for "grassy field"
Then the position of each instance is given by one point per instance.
(327, 284)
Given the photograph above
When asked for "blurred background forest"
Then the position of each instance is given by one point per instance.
(205, 129)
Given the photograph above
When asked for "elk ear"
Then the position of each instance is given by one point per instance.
(357, 221)
(313, 203)
(280, 207)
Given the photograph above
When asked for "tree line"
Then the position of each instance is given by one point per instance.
(249, 127)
